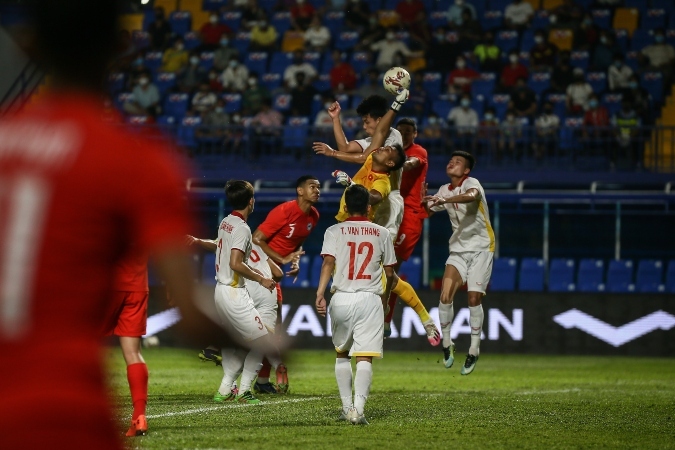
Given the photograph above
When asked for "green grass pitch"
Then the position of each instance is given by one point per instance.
(510, 401)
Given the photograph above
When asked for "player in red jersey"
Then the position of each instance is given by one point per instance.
(412, 181)
(75, 192)
(127, 318)
(280, 236)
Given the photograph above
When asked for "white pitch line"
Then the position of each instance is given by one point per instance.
(556, 391)
(229, 406)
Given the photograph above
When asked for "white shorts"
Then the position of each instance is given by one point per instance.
(475, 268)
(236, 311)
(390, 215)
(265, 302)
(357, 323)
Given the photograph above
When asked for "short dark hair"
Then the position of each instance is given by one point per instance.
(401, 156)
(239, 193)
(357, 198)
(374, 106)
(303, 179)
(470, 160)
(407, 121)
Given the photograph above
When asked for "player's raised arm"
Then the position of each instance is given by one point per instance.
(343, 144)
(382, 129)
(238, 264)
(210, 245)
(260, 239)
(327, 269)
(470, 196)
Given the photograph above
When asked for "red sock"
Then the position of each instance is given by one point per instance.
(265, 370)
(392, 305)
(137, 375)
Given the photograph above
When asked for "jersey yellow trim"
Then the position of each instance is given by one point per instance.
(235, 280)
(490, 232)
(366, 354)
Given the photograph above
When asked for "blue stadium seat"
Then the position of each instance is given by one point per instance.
(334, 21)
(257, 62)
(670, 33)
(281, 102)
(141, 39)
(148, 18)
(191, 40)
(438, 19)
(621, 38)
(295, 132)
(120, 99)
(411, 270)
(280, 61)
(532, 272)
(315, 271)
(206, 60)
(479, 5)
(361, 62)
(138, 120)
(403, 36)
(213, 5)
(281, 21)
(590, 275)
(268, 5)
(303, 274)
(116, 82)
(612, 102)
(356, 100)
(632, 60)
(527, 40)
(478, 104)
(242, 41)
(649, 276)
(569, 133)
(166, 123)
(232, 19)
(442, 108)
(507, 40)
(539, 82)
(271, 81)
(322, 82)
(492, 20)
(637, 4)
(180, 21)
(176, 105)
(209, 269)
(558, 102)
(499, 5)
(313, 58)
(602, 18)
(541, 19)
(652, 82)
(186, 131)
(500, 102)
(503, 275)
(165, 81)
(640, 39)
(346, 40)
(232, 103)
(561, 275)
(432, 83)
(620, 276)
(153, 61)
(598, 81)
(374, 5)
(670, 277)
(653, 18)
(485, 85)
(580, 59)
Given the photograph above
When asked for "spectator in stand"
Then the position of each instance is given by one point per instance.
(619, 74)
(375, 32)
(603, 54)
(562, 75)
(235, 76)
(660, 56)
(455, 12)
(568, 14)
(251, 14)
(460, 79)
(146, 98)
(510, 134)
(357, 16)
(512, 71)
(175, 59)
(336, 5)
(470, 32)
(441, 53)
(254, 96)
(578, 93)
(546, 127)
(523, 99)
(301, 15)
(212, 79)
(299, 65)
(204, 100)
(488, 54)
(264, 36)
(223, 54)
(465, 120)
(543, 54)
(413, 17)
(302, 96)
(390, 51)
(342, 73)
(627, 133)
(159, 30)
(193, 75)
(595, 129)
(488, 134)
(215, 122)
(317, 36)
(372, 86)
(418, 101)
(434, 128)
(211, 33)
(266, 127)
(639, 99)
(517, 15)
(586, 36)
(323, 120)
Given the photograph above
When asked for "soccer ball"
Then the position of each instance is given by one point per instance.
(395, 79)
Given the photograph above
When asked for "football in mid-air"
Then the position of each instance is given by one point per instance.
(395, 79)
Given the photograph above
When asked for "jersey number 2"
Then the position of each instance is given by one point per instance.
(368, 247)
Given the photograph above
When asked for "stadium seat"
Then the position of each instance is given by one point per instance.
(242, 41)
(412, 271)
(539, 82)
(153, 61)
(346, 40)
(166, 123)
(632, 60)
(641, 38)
(334, 21)
(670, 277)
(621, 38)
(653, 18)
(602, 18)
(668, 5)
(652, 82)
(176, 105)
(138, 120)
(295, 132)
(232, 19)
(561, 38)
(214, 5)
(442, 108)
(191, 40)
(432, 83)
(620, 276)
(282, 102)
(541, 19)
(438, 19)
(492, 20)
(279, 62)
(281, 21)
(165, 81)
(670, 33)
(141, 39)
(116, 82)
(180, 21)
(209, 269)
(558, 102)
(532, 272)
(186, 131)
(590, 275)
(499, 5)
(315, 271)
(232, 103)
(257, 62)
(485, 85)
(649, 276)
(361, 62)
(120, 99)
(612, 102)
(500, 102)
(561, 275)
(304, 273)
(206, 60)
(322, 82)
(626, 18)
(527, 40)
(313, 58)
(569, 133)
(580, 59)
(503, 275)
(598, 81)
(507, 40)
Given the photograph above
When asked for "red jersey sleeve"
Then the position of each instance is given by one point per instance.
(275, 221)
(417, 151)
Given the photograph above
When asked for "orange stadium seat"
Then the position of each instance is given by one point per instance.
(293, 40)
(199, 18)
(626, 18)
(131, 22)
(550, 4)
(535, 3)
(191, 5)
(387, 18)
(168, 5)
(561, 38)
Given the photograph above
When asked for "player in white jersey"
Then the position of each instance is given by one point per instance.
(233, 302)
(472, 247)
(359, 254)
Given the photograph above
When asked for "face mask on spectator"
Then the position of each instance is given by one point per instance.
(440, 37)
(513, 58)
(461, 64)
(465, 103)
(433, 120)
(138, 61)
(252, 82)
(659, 38)
(213, 19)
(219, 109)
(593, 104)
(618, 64)
(194, 60)
(510, 118)
(489, 116)
(236, 118)
(224, 42)
(552, 18)
(538, 39)
(390, 36)
(603, 39)
(633, 85)
(179, 47)
(233, 63)
(143, 81)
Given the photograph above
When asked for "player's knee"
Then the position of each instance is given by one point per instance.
(475, 298)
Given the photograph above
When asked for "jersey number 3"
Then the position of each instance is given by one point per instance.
(368, 247)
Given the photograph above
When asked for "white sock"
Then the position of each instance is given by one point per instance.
(362, 381)
(233, 361)
(343, 375)
(446, 314)
(252, 366)
(476, 322)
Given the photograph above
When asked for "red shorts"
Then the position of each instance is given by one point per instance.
(127, 314)
(409, 233)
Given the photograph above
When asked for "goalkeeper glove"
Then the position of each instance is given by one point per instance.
(342, 178)
(401, 98)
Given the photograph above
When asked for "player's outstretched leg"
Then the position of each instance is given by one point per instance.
(362, 382)
(406, 293)
(446, 314)
(252, 365)
(343, 376)
(233, 363)
(476, 321)
(137, 376)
